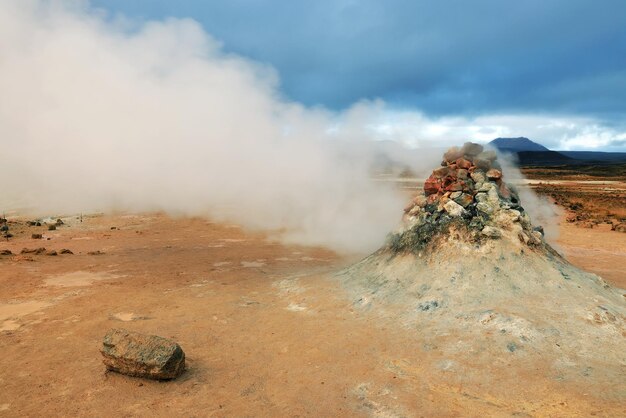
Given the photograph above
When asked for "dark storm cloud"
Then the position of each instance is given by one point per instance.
(443, 57)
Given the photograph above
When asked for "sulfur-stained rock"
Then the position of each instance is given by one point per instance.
(140, 355)
(453, 208)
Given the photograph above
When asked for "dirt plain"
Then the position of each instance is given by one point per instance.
(266, 328)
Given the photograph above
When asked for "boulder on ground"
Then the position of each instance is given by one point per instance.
(140, 355)
(52, 227)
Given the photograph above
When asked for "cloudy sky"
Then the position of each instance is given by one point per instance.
(505, 67)
(553, 70)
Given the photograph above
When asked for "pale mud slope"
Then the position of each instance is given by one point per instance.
(500, 297)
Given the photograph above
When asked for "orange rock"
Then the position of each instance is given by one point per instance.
(432, 185)
(463, 163)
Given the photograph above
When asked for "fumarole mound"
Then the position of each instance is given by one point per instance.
(469, 273)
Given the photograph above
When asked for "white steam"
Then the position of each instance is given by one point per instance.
(97, 115)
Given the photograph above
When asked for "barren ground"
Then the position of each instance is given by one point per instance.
(266, 330)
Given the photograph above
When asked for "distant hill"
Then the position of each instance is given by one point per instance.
(520, 144)
(541, 158)
(596, 156)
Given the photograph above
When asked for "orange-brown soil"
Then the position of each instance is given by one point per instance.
(266, 330)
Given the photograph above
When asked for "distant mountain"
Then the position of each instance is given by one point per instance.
(520, 144)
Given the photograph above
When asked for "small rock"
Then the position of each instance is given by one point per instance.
(453, 154)
(482, 164)
(463, 163)
(620, 227)
(36, 236)
(484, 207)
(478, 176)
(441, 172)
(431, 186)
(453, 208)
(36, 251)
(52, 227)
(491, 232)
(462, 174)
(494, 174)
(65, 251)
(95, 253)
(534, 238)
(487, 155)
(464, 200)
(52, 253)
(525, 221)
(470, 148)
(539, 229)
(6, 252)
(140, 355)
(59, 222)
(455, 195)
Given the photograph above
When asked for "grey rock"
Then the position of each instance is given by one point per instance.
(478, 176)
(487, 155)
(491, 232)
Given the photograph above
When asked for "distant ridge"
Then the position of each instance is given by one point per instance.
(520, 144)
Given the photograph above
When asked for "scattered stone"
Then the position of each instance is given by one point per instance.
(36, 236)
(59, 222)
(539, 229)
(6, 252)
(95, 253)
(65, 251)
(430, 305)
(52, 253)
(36, 251)
(620, 227)
(52, 227)
(140, 355)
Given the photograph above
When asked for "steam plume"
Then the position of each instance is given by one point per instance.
(96, 115)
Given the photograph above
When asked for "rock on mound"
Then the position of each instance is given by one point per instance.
(468, 194)
(467, 267)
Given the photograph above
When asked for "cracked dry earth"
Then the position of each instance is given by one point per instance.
(266, 329)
